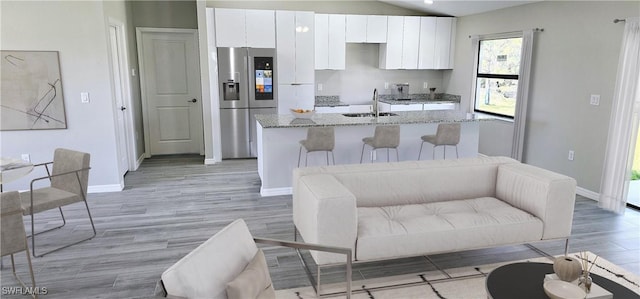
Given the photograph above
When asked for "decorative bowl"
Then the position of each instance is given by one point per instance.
(558, 289)
(302, 113)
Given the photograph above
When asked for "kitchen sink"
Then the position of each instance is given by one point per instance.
(368, 114)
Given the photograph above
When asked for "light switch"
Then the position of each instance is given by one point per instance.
(84, 96)
(595, 99)
(133, 72)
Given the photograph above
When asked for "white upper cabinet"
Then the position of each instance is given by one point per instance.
(437, 42)
(245, 28)
(366, 29)
(391, 52)
(330, 47)
(356, 29)
(322, 41)
(305, 35)
(410, 42)
(294, 47)
(230, 27)
(445, 43)
(403, 38)
(376, 29)
(261, 28)
(426, 56)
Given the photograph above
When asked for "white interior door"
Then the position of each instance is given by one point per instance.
(170, 79)
(119, 94)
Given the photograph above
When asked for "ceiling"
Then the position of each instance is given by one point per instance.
(456, 8)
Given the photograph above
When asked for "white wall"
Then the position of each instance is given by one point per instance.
(361, 75)
(575, 56)
(77, 30)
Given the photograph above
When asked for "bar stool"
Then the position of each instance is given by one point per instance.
(321, 139)
(383, 137)
(446, 134)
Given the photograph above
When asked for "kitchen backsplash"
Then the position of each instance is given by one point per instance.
(355, 84)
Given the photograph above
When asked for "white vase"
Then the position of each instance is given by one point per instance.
(567, 268)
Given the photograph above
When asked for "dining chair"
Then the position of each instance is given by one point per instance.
(13, 235)
(68, 176)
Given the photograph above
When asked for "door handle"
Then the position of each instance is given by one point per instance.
(192, 100)
(123, 108)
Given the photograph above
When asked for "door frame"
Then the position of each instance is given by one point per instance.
(143, 88)
(125, 85)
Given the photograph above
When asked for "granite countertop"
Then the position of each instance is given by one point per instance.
(329, 101)
(420, 98)
(337, 119)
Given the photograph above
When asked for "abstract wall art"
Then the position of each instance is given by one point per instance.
(31, 91)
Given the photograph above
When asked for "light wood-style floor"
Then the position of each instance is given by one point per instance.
(174, 203)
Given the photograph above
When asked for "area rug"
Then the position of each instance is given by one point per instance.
(431, 284)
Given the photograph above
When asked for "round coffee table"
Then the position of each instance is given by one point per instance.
(524, 280)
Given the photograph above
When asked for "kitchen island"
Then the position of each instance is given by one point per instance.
(279, 136)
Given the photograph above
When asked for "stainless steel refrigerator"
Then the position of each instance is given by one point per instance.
(247, 84)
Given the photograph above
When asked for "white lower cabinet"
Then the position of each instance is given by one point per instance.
(337, 109)
(406, 107)
(440, 106)
(385, 107)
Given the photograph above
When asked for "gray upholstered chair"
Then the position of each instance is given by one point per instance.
(383, 137)
(446, 134)
(14, 238)
(320, 139)
(69, 177)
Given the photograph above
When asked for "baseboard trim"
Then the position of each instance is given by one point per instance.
(105, 188)
(210, 161)
(266, 192)
(587, 193)
(139, 162)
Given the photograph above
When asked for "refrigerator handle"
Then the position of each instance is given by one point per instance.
(251, 88)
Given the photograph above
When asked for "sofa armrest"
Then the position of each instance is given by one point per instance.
(324, 212)
(545, 194)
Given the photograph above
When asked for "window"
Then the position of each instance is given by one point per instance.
(497, 76)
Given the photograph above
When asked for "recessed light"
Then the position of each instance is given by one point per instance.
(428, 1)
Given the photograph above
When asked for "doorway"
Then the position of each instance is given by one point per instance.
(171, 93)
(121, 89)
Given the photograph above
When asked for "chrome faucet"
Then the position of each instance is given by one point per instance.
(375, 102)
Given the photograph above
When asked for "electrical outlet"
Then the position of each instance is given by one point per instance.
(386, 85)
(595, 99)
(26, 158)
(84, 97)
(133, 72)
(425, 85)
(571, 155)
(319, 86)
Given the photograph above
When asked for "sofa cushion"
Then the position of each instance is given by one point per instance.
(411, 230)
(430, 181)
(253, 282)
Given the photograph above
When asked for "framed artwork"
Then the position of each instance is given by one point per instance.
(31, 91)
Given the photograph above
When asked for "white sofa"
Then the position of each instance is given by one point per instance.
(393, 210)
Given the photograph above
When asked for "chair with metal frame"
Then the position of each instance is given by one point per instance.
(446, 134)
(321, 139)
(14, 237)
(68, 177)
(206, 270)
(383, 137)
